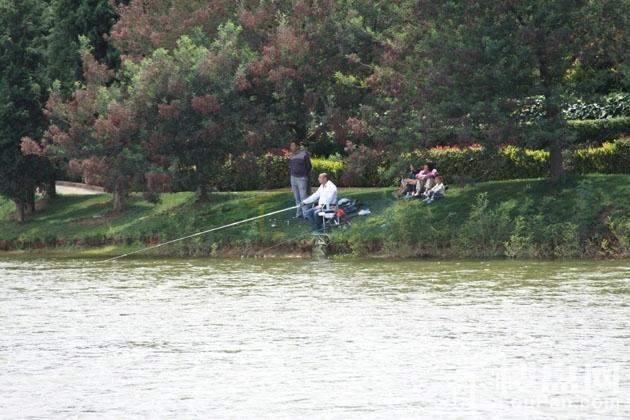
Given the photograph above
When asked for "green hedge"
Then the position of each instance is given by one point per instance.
(477, 164)
(610, 158)
(249, 172)
(596, 132)
(457, 165)
(515, 163)
(333, 167)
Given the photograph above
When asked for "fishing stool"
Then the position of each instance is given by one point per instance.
(330, 216)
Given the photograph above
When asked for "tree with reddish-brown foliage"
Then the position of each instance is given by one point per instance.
(193, 108)
(307, 77)
(97, 132)
(146, 25)
(202, 84)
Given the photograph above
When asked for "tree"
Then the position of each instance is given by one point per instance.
(308, 77)
(71, 19)
(97, 132)
(191, 106)
(146, 25)
(482, 59)
(22, 95)
(294, 75)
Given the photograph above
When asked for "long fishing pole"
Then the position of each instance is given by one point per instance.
(200, 233)
(301, 235)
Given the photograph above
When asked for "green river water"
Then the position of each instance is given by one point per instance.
(323, 339)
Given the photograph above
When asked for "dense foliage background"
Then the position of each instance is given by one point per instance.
(154, 95)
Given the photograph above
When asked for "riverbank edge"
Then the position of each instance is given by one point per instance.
(300, 252)
(586, 217)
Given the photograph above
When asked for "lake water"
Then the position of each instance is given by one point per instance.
(330, 339)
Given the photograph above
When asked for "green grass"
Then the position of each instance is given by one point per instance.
(88, 221)
(585, 216)
(85, 224)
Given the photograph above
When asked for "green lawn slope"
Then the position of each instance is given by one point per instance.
(582, 217)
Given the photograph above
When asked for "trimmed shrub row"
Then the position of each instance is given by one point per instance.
(516, 163)
(595, 132)
(249, 172)
(458, 165)
(609, 158)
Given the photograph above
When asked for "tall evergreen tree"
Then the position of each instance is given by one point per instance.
(23, 86)
(71, 19)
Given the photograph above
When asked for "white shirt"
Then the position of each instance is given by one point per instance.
(326, 194)
(437, 188)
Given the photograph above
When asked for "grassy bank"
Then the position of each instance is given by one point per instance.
(583, 217)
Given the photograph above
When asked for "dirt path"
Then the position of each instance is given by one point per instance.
(75, 188)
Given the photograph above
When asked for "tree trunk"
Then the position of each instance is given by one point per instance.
(556, 141)
(29, 204)
(302, 117)
(204, 193)
(20, 211)
(554, 120)
(50, 189)
(556, 164)
(119, 194)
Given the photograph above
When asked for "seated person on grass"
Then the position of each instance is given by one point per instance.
(427, 180)
(407, 185)
(422, 180)
(436, 192)
(326, 195)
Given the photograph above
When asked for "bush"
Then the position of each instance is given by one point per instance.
(595, 132)
(274, 171)
(486, 230)
(510, 162)
(521, 242)
(610, 158)
(475, 164)
(362, 168)
(241, 173)
(370, 168)
(619, 225)
(333, 167)
(614, 105)
(248, 172)
(610, 106)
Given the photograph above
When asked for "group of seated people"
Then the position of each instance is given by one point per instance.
(425, 184)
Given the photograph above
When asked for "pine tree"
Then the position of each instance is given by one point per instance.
(23, 85)
(71, 19)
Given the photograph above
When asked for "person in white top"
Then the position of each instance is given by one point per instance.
(325, 195)
(435, 193)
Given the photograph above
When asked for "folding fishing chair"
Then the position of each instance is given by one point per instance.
(330, 216)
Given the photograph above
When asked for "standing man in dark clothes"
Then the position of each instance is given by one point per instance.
(300, 163)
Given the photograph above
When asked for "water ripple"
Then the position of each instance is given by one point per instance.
(174, 338)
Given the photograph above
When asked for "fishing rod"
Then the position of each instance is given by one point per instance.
(345, 222)
(200, 233)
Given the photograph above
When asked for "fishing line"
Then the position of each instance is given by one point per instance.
(281, 243)
(345, 222)
(200, 233)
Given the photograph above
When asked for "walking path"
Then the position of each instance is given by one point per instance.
(76, 188)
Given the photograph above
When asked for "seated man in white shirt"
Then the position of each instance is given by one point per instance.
(325, 195)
